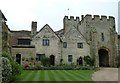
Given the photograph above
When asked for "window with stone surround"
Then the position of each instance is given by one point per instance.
(64, 44)
(24, 41)
(39, 57)
(70, 58)
(80, 45)
(45, 42)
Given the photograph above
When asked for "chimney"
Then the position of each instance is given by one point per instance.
(33, 28)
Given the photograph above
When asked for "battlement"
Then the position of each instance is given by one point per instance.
(71, 18)
(97, 17)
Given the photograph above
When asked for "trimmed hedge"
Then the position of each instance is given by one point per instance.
(62, 67)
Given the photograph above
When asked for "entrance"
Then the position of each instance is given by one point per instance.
(80, 62)
(52, 60)
(103, 58)
(18, 58)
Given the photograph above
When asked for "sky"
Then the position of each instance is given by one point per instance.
(20, 13)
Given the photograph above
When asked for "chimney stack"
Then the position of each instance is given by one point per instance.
(33, 28)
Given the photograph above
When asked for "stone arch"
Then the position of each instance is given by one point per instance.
(18, 58)
(52, 60)
(103, 57)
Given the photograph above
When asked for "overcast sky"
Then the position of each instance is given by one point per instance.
(20, 13)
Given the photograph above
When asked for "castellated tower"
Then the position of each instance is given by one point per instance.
(99, 32)
(69, 23)
(33, 28)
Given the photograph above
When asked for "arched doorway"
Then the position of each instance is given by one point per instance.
(80, 61)
(18, 58)
(103, 58)
(52, 60)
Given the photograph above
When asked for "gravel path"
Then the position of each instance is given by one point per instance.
(106, 74)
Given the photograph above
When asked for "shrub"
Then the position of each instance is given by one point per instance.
(89, 61)
(6, 70)
(16, 68)
(45, 61)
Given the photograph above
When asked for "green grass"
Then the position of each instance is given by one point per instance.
(56, 75)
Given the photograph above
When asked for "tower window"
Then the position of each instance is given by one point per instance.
(45, 42)
(80, 45)
(64, 44)
(102, 36)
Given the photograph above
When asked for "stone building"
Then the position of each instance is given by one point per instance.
(5, 35)
(93, 36)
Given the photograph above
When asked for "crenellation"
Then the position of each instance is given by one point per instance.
(88, 16)
(66, 18)
(77, 19)
(96, 17)
(71, 18)
(82, 17)
(111, 18)
(103, 17)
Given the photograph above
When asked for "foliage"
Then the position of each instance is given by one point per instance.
(16, 68)
(6, 70)
(89, 61)
(45, 61)
(62, 67)
(71, 67)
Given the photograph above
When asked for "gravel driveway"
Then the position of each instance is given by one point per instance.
(106, 74)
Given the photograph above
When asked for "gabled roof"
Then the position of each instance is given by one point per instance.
(49, 28)
(3, 16)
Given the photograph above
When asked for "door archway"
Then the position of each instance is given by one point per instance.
(52, 60)
(80, 61)
(18, 58)
(103, 58)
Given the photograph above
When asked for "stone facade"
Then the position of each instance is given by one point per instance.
(93, 36)
(100, 33)
(54, 44)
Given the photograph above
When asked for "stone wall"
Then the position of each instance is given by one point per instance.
(15, 35)
(72, 37)
(54, 43)
(100, 25)
(26, 52)
(95, 32)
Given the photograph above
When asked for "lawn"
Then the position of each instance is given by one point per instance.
(55, 75)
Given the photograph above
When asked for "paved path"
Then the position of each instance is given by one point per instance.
(106, 74)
